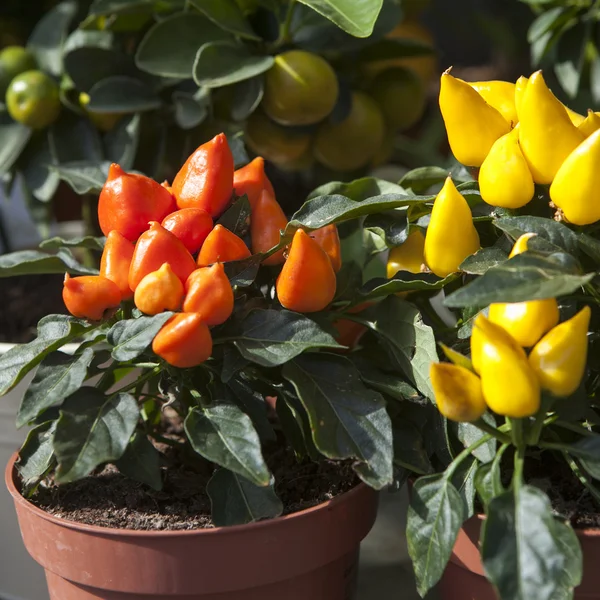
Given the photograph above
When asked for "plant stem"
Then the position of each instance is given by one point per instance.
(591, 488)
(466, 453)
(487, 428)
(517, 478)
(573, 427)
(138, 381)
(517, 432)
(284, 32)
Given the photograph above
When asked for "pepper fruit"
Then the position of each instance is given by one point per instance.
(159, 291)
(504, 178)
(90, 296)
(500, 95)
(409, 256)
(307, 280)
(521, 244)
(252, 180)
(458, 392)
(520, 87)
(451, 235)
(129, 201)
(209, 293)
(590, 124)
(471, 123)
(115, 262)
(155, 247)
(575, 187)
(510, 386)
(559, 358)
(546, 134)
(206, 179)
(222, 245)
(266, 223)
(190, 225)
(184, 341)
(329, 239)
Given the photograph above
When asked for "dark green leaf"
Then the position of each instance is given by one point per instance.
(92, 429)
(409, 447)
(391, 225)
(356, 18)
(523, 546)
(358, 190)
(385, 383)
(273, 337)
(122, 94)
(237, 217)
(141, 462)
(13, 139)
(35, 167)
(421, 179)
(435, 516)
(463, 480)
(469, 433)
(32, 262)
(58, 376)
(90, 242)
(121, 142)
(595, 79)
(131, 337)
(36, 454)
(484, 484)
(83, 176)
(182, 34)
(296, 426)
(233, 362)
(237, 501)
(81, 38)
(190, 111)
(543, 23)
(74, 138)
(347, 419)
(253, 404)
(242, 273)
(225, 435)
(403, 281)
(247, 95)
(227, 15)
(482, 260)
(571, 56)
(590, 246)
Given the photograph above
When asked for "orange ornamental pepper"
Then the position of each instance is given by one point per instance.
(206, 179)
(115, 262)
(159, 291)
(190, 225)
(90, 296)
(156, 247)
(128, 202)
(209, 294)
(266, 222)
(167, 187)
(307, 280)
(329, 239)
(252, 180)
(184, 341)
(222, 245)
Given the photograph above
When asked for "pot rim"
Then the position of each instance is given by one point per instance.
(10, 478)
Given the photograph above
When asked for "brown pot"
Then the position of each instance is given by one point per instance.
(464, 577)
(311, 554)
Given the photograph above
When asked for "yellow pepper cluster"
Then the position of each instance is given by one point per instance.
(504, 377)
(520, 134)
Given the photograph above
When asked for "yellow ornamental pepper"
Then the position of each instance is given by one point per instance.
(559, 358)
(520, 87)
(590, 124)
(547, 135)
(500, 95)
(575, 188)
(510, 386)
(504, 178)
(521, 244)
(409, 256)
(451, 235)
(471, 123)
(575, 118)
(458, 394)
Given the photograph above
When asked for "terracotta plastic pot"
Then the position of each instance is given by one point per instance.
(464, 577)
(312, 554)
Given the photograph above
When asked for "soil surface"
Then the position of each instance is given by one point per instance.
(109, 499)
(24, 301)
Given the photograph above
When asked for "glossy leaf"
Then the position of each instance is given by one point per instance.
(482, 260)
(122, 94)
(132, 337)
(189, 111)
(409, 448)
(74, 138)
(246, 97)
(13, 139)
(237, 501)
(237, 217)
(347, 419)
(227, 15)
(253, 403)
(357, 190)
(83, 176)
(356, 18)
(242, 273)
(121, 143)
(90, 242)
(419, 180)
(469, 434)
(35, 163)
(403, 281)
(141, 462)
(463, 480)
(390, 384)
(32, 262)
(36, 454)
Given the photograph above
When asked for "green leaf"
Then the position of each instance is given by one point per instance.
(50, 32)
(247, 95)
(571, 56)
(169, 48)
(347, 419)
(13, 139)
(237, 501)
(523, 277)
(391, 225)
(253, 403)
(409, 448)
(524, 547)
(141, 462)
(122, 94)
(83, 176)
(469, 434)
(121, 143)
(35, 163)
(543, 23)
(227, 15)
(357, 190)
(589, 246)
(58, 376)
(435, 515)
(36, 454)
(108, 7)
(463, 480)
(81, 38)
(242, 273)
(385, 383)
(131, 337)
(273, 337)
(225, 435)
(32, 262)
(74, 138)
(356, 18)
(224, 63)
(53, 332)
(484, 484)
(482, 260)
(410, 342)
(92, 429)
(421, 179)
(237, 217)
(403, 281)
(90, 242)
(189, 110)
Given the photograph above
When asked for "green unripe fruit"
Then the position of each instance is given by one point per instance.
(33, 99)
(14, 60)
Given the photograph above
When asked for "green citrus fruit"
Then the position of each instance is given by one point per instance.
(13, 61)
(103, 121)
(32, 98)
(401, 96)
(353, 142)
(273, 142)
(301, 88)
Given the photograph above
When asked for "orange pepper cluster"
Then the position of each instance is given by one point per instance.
(163, 251)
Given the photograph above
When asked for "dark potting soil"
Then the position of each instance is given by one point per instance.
(108, 499)
(24, 301)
